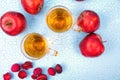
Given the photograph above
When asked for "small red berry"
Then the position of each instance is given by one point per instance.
(15, 67)
(42, 77)
(51, 71)
(7, 76)
(27, 65)
(37, 71)
(33, 76)
(58, 68)
(22, 74)
(88, 21)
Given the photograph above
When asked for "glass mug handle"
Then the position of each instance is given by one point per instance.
(52, 52)
(75, 27)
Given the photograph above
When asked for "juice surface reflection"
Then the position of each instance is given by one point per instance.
(34, 46)
(59, 19)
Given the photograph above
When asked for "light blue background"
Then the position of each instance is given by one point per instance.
(75, 66)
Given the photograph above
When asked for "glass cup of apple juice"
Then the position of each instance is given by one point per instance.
(35, 46)
(59, 19)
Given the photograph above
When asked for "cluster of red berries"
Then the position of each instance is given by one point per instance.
(52, 71)
(37, 72)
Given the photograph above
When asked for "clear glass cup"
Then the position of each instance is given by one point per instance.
(35, 46)
(59, 19)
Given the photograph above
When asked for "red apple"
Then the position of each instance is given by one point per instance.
(91, 45)
(32, 6)
(88, 21)
(13, 23)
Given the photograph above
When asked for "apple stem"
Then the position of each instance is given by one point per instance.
(9, 23)
(104, 41)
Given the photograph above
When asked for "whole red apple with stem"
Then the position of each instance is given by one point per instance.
(13, 23)
(88, 21)
(92, 45)
(32, 6)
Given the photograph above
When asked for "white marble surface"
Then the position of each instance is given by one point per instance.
(75, 66)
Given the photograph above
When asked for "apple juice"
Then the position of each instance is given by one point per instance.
(59, 19)
(34, 46)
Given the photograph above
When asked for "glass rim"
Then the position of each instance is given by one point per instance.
(59, 6)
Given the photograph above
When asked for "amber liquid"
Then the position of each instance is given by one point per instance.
(35, 45)
(59, 19)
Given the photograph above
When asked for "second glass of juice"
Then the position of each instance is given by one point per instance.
(34, 46)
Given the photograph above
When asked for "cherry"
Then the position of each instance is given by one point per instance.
(22, 74)
(51, 71)
(15, 67)
(27, 65)
(42, 77)
(7, 76)
(37, 71)
(92, 45)
(33, 76)
(58, 68)
(88, 21)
